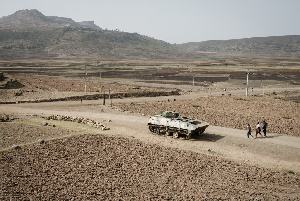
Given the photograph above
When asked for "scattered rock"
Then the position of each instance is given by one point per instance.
(41, 141)
(82, 120)
(105, 128)
(4, 118)
(16, 147)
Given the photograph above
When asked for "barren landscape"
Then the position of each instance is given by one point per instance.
(43, 159)
(75, 99)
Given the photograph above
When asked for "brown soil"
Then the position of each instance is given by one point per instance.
(127, 162)
(21, 133)
(230, 111)
(104, 164)
(34, 88)
(98, 167)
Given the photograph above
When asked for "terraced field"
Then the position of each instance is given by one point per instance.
(97, 167)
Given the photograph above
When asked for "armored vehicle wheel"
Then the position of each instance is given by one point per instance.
(151, 128)
(155, 130)
(175, 135)
(188, 136)
(168, 133)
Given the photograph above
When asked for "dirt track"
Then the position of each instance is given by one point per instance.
(154, 166)
(283, 117)
(128, 162)
(277, 151)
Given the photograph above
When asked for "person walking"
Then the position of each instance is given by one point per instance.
(265, 124)
(258, 129)
(249, 130)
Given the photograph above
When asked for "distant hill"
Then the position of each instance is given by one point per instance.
(28, 34)
(273, 45)
(79, 43)
(34, 18)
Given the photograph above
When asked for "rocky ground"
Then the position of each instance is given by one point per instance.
(97, 167)
(25, 87)
(16, 134)
(281, 115)
(64, 161)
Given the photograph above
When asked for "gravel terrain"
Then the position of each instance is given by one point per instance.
(95, 167)
(24, 87)
(21, 133)
(71, 161)
(230, 111)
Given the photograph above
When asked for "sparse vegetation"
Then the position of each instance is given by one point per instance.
(286, 117)
(19, 93)
(242, 99)
(290, 172)
(4, 118)
(1, 77)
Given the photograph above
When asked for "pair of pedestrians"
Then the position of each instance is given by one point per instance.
(258, 129)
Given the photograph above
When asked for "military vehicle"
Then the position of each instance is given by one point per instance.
(170, 123)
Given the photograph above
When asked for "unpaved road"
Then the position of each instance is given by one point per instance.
(279, 152)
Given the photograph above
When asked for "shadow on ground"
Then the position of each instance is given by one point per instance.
(207, 137)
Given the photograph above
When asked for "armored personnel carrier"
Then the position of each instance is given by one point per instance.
(170, 123)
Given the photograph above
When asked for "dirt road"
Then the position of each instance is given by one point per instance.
(279, 152)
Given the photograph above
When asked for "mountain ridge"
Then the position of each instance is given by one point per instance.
(34, 18)
(28, 34)
(222, 45)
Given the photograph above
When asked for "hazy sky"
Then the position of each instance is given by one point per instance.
(176, 21)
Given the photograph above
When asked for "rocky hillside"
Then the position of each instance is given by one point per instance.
(34, 18)
(278, 45)
(71, 43)
(28, 34)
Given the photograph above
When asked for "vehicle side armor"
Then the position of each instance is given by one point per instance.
(170, 123)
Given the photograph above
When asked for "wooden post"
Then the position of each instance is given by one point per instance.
(103, 96)
(109, 96)
(247, 84)
(85, 74)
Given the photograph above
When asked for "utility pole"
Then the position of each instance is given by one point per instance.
(103, 96)
(247, 84)
(85, 75)
(108, 93)
(109, 96)
(263, 85)
(193, 80)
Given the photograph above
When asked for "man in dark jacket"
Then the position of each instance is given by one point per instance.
(265, 124)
